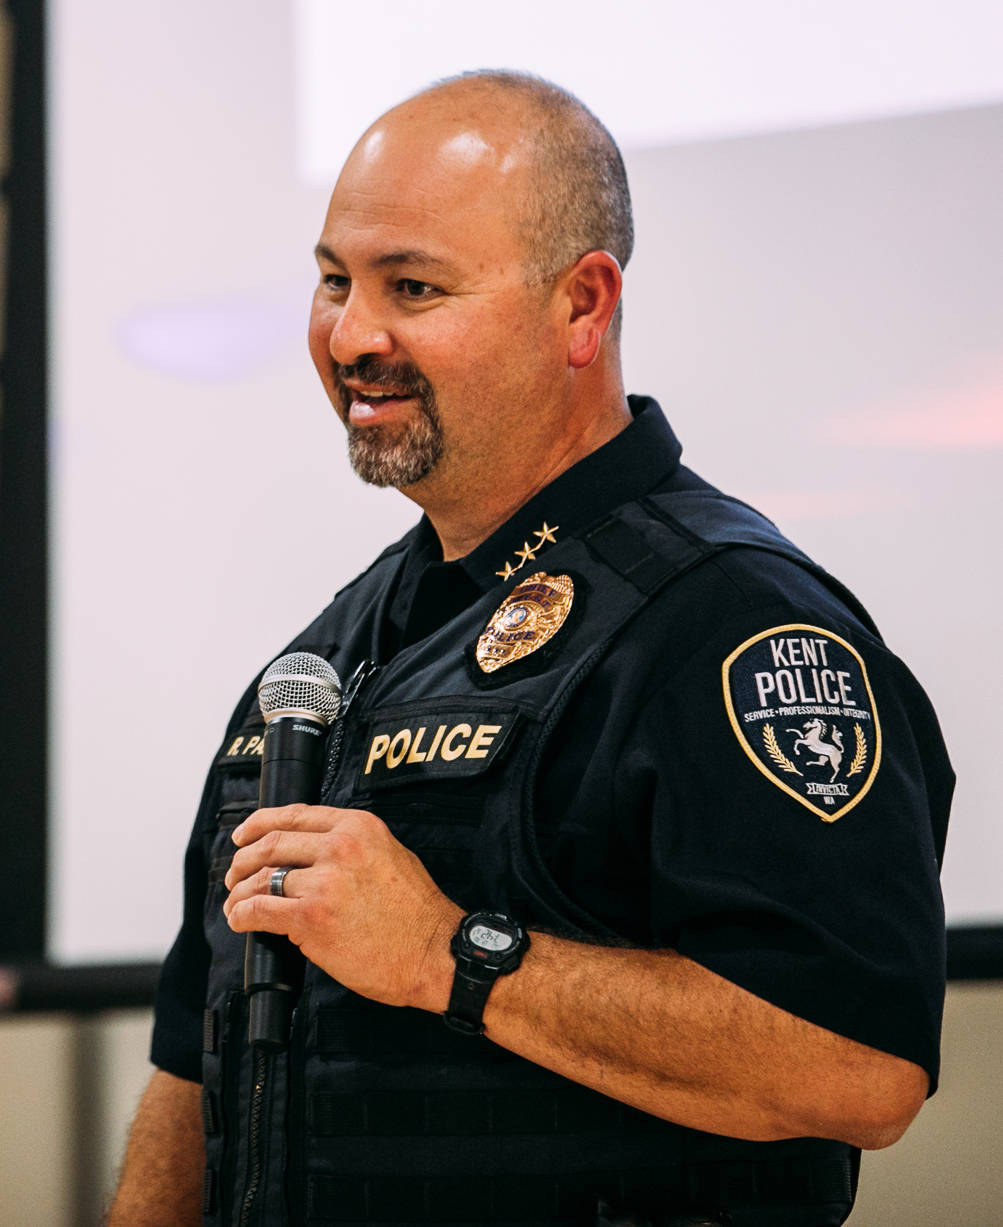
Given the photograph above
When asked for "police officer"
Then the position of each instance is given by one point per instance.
(622, 903)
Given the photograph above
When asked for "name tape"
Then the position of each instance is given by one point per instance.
(244, 749)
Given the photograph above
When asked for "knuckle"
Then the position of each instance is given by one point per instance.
(370, 822)
(270, 842)
(253, 908)
(348, 845)
(363, 826)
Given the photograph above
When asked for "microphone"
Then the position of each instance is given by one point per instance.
(299, 696)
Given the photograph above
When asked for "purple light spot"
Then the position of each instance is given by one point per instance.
(226, 338)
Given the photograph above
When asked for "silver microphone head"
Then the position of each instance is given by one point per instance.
(300, 684)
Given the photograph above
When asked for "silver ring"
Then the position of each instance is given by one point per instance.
(277, 882)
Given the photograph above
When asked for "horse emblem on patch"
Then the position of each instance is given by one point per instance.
(801, 705)
(533, 612)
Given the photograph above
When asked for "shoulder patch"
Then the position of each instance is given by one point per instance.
(800, 702)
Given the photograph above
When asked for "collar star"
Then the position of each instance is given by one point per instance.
(546, 533)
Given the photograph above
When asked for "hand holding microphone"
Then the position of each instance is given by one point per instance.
(300, 696)
(357, 903)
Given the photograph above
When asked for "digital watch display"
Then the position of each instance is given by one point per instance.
(486, 945)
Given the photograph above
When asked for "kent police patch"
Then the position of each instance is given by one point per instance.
(801, 706)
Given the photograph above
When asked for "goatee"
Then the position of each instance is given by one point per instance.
(401, 453)
(396, 455)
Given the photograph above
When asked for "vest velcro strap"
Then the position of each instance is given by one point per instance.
(209, 1185)
(762, 1193)
(210, 1030)
(210, 1112)
(563, 1112)
(365, 1032)
(626, 551)
(533, 1201)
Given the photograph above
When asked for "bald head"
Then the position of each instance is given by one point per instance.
(470, 264)
(569, 186)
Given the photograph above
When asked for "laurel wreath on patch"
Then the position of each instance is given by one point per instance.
(860, 757)
(775, 752)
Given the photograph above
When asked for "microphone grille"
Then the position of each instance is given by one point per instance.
(300, 682)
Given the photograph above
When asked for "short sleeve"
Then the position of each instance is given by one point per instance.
(180, 1003)
(753, 779)
(797, 824)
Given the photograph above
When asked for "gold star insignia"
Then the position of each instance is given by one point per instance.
(507, 572)
(525, 553)
(546, 533)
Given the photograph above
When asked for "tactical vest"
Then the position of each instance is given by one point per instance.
(388, 1116)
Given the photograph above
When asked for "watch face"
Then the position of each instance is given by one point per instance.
(488, 938)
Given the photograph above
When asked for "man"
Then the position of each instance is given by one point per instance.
(603, 704)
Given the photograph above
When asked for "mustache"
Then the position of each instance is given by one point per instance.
(401, 377)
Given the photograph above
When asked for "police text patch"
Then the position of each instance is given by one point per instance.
(800, 703)
(444, 745)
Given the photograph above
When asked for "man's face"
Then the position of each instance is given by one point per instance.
(431, 347)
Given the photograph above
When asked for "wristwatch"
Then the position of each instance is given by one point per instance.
(486, 945)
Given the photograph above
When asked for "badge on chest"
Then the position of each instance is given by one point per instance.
(532, 613)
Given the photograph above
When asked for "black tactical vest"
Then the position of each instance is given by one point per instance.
(382, 1115)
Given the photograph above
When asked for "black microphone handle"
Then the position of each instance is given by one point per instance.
(291, 770)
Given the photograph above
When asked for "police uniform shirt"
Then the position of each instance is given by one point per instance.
(666, 808)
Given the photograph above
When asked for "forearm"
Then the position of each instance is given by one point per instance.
(161, 1181)
(650, 1028)
(660, 1032)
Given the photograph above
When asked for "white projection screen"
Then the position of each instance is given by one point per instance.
(815, 298)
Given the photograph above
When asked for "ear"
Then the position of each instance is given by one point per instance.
(592, 287)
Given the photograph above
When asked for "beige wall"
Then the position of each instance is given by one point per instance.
(70, 1087)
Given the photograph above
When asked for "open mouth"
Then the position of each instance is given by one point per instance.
(369, 406)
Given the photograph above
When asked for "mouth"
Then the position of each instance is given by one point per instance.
(366, 406)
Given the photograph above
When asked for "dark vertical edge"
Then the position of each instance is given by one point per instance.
(24, 504)
(975, 952)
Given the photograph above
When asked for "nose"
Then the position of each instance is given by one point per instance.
(356, 329)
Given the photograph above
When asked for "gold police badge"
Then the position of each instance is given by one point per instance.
(533, 612)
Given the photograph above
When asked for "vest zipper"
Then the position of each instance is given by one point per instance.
(366, 671)
(262, 1059)
(254, 1148)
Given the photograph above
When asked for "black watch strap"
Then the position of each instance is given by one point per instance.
(465, 1011)
(486, 945)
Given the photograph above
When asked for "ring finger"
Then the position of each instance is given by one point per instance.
(260, 883)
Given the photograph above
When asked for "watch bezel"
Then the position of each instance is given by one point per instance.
(494, 962)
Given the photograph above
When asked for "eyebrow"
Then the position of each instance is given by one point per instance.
(409, 255)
